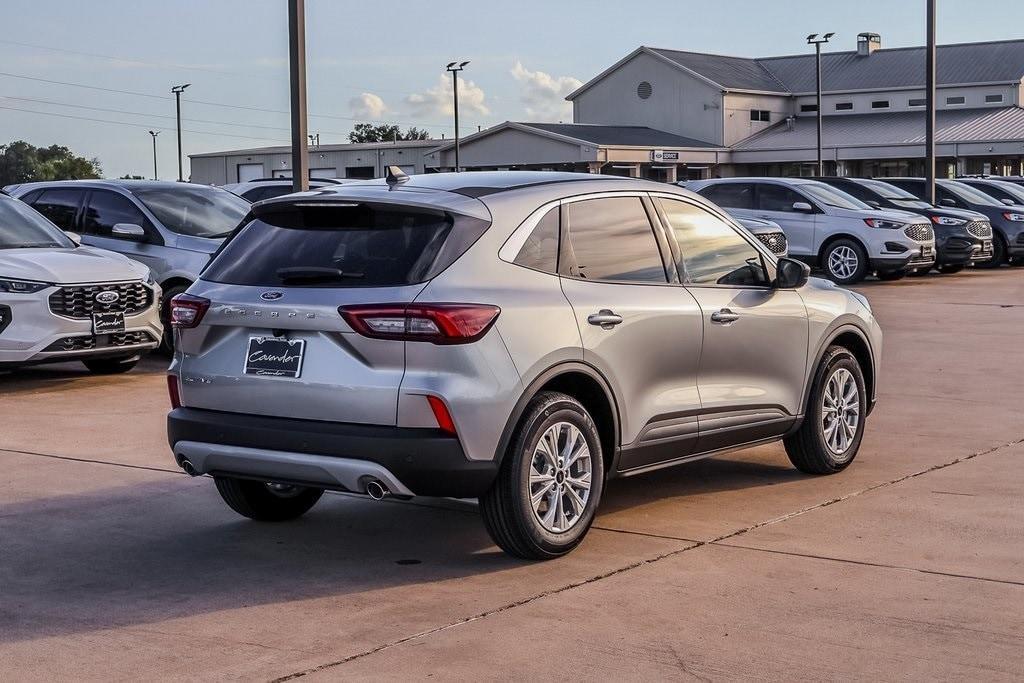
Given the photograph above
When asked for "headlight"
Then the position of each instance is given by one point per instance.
(149, 279)
(861, 298)
(883, 223)
(948, 220)
(1013, 216)
(21, 286)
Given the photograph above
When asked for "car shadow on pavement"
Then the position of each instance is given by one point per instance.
(47, 378)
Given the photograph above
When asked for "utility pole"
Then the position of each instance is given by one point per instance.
(814, 40)
(177, 90)
(297, 68)
(154, 133)
(929, 105)
(455, 68)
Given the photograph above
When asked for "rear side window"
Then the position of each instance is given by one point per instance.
(60, 206)
(540, 251)
(343, 246)
(730, 195)
(612, 240)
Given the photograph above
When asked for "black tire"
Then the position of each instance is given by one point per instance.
(111, 366)
(1016, 261)
(808, 448)
(258, 500)
(949, 269)
(857, 274)
(919, 272)
(892, 276)
(998, 253)
(507, 508)
(167, 342)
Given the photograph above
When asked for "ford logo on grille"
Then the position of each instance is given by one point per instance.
(271, 296)
(107, 298)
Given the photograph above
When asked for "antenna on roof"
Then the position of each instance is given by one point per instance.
(396, 176)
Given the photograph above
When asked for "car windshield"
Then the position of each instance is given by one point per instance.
(970, 194)
(197, 210)
(21, 227)
(830, 196)
(896, 195)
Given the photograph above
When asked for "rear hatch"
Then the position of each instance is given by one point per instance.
(272, 341)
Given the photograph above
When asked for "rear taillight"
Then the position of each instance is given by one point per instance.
(173, 392)
(435, 323)
(187, 310)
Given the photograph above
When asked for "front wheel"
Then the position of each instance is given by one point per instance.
(550, 482)
(266, 501)
(845, 262)
(111, 366)
(830, 436)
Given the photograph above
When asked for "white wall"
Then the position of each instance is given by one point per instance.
(737, 114)
(511, 147)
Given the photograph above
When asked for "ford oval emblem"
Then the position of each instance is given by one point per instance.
(107, 298)
(271, 296)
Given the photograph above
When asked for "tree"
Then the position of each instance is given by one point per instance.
(21, 162)
(385, 132)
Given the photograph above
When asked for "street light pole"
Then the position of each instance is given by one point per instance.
(177, 90)
(929, 105)
(154, 133)
(297, 72)
(814, 40)
(455, 68)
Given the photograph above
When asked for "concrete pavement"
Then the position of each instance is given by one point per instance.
(907, 565)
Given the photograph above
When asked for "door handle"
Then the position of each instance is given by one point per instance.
(724, 317)
(605, 318)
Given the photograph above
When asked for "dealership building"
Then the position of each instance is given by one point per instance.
(671, 115)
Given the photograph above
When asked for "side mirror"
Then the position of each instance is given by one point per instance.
(872, 202)
(74, 237)
(1008, 202)
(947, 202)
(129, 231)
(802, 207)
(791, 274)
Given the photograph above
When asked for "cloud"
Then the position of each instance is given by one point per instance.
(437, 101)
(368, 106)
(544, 94)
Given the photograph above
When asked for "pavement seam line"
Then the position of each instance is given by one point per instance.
(635, 565)
(89, 460)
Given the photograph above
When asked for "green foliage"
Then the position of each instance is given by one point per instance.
(367, 132)
(21, 162)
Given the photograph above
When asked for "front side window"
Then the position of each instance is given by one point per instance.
(106, 209)
(730, 195)
(772, 197)
(540, 251)
(60, 206)
(22, 228)
(612, 240)
(712, 252)
(197, 211)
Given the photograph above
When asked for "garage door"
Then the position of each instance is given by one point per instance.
(323, 173)
(282, 173)
(247, 172)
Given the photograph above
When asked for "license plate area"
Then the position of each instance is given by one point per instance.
(107, 323)
(274, 357)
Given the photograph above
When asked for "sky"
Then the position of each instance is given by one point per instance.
(380, 61)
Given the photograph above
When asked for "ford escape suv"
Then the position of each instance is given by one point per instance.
(518, 337)
(828, 228)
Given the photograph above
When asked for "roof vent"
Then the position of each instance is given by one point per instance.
(867, 43)
(644, 90)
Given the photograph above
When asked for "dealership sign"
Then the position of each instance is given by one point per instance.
(662, 155)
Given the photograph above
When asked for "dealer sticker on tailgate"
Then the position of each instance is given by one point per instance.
(274, 357)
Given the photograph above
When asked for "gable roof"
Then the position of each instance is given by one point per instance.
(903, 67)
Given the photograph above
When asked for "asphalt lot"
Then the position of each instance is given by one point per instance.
(910, 564)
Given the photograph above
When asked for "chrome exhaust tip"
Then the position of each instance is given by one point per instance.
(189, 468)
(376, 489)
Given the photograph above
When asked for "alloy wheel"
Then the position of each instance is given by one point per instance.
(840, 414)
(843, 262)
(560, 477)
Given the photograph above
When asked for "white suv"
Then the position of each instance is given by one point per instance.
(829, 228)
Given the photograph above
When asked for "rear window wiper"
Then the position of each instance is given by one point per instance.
(316, 274)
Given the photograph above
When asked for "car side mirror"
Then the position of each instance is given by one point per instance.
(1008, 202)
(791, 274)
(129, 231)
(802, 207)
(872, 202)
(74, 237)
(946, 201)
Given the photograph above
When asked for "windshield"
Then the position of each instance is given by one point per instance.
(896, 195)
(21, 227)
(830, 196)
(197, 210)
(969, 194)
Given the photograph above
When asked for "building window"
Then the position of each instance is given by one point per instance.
(916, 102)
(959, 99)
(760, 115)
(808, 107)
(844, 106)
(993, 99)
(644, 90)
(880, 104)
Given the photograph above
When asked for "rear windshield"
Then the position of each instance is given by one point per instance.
(343, 246)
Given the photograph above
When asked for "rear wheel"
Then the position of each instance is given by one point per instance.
(266, 501)
(845, 262)
(550, 482)
(831, 433)
(111, 366)
(949, 269)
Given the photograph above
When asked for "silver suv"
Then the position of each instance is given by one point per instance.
(514, 336)
(829, 228)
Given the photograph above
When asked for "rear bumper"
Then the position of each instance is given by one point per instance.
(342, 456)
